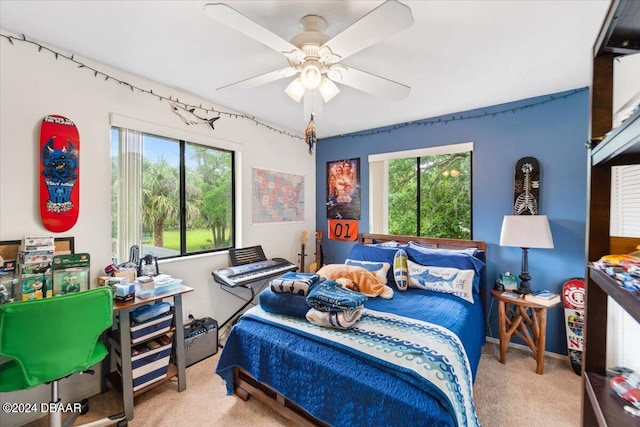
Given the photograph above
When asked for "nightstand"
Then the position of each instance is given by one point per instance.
(527, 321)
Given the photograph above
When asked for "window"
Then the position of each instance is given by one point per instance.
(170, 197)
(425, 192)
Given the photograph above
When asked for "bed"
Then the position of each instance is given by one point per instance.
(359, 376)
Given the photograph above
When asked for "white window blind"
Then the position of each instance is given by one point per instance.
(623, 346)
(129, 191)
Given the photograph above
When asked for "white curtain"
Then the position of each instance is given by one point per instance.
(129, 209)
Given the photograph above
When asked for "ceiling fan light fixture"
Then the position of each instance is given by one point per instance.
(295, 90)
(311, 75)
(328, 89)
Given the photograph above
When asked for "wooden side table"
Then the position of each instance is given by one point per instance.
(526, 320)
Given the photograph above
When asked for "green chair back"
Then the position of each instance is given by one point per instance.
(52, 338)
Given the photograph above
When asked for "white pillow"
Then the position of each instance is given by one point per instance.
(446, 280)
(378, 268)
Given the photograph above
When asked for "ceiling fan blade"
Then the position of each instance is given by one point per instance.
(387, 19)
(370, 83)
(261, 79)
(233, 19)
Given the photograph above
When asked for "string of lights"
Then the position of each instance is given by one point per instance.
(387, 129)
(455, 118)
(101, 74)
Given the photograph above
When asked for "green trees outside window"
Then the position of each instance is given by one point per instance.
(431, 196)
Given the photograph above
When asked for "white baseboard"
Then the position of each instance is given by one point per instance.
(526, 348)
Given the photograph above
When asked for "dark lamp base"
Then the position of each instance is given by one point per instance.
(523, 291)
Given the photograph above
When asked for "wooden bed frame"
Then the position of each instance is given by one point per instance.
(247, 386)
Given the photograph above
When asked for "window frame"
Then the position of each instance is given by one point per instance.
(379, 181)
(183, 138)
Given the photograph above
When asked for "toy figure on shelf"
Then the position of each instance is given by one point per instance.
(625, 268)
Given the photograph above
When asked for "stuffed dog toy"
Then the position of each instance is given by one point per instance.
(356, 279)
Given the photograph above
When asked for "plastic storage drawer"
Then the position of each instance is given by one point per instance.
(155, 326)
(148, 366)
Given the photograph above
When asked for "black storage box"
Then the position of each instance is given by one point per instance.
(200, 340)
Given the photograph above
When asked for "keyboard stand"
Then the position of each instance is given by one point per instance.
(247, 302)
(242, 256)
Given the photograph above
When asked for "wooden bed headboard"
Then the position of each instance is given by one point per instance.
(431, 242)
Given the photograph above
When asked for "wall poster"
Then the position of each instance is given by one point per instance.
(343, 189)
(276, 196)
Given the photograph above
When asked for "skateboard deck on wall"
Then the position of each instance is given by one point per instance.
(59, 173)
(526, 187)
(573, 300)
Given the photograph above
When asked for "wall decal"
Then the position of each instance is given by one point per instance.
(188, 115)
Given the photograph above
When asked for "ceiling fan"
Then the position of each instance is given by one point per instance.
(317, 57)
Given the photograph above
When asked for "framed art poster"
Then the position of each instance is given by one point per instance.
(343, 189)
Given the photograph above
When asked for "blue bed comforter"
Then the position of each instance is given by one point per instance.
(338, 387)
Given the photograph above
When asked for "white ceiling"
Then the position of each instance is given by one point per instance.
(458, 55)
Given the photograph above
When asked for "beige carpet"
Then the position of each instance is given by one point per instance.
(505, 395)
(513, 394)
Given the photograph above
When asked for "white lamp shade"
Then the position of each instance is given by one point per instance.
(526, 231)
(328, 89)
(295, 90)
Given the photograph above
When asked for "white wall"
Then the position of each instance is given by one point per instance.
(34, 84)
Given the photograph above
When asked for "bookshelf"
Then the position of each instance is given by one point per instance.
(619, 35)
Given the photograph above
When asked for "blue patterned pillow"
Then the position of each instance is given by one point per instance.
(378, 268)
(447, 258)
(400, 270)
(446, 280)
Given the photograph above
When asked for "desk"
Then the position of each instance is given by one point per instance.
(526, 320)
(123, 310)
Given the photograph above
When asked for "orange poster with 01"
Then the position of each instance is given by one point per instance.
(343, 229)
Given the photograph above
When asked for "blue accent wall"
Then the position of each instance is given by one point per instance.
(552, 128)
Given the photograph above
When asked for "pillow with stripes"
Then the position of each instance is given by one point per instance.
(400, 270)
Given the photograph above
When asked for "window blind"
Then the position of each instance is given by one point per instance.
(622, 346)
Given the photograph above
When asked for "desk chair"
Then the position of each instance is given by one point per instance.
(49, 339)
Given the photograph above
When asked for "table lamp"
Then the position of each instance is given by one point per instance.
(526, 232)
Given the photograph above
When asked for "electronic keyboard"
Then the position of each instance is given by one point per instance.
(243, 274)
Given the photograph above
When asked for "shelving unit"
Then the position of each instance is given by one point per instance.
(124, 382)
(620, 35)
